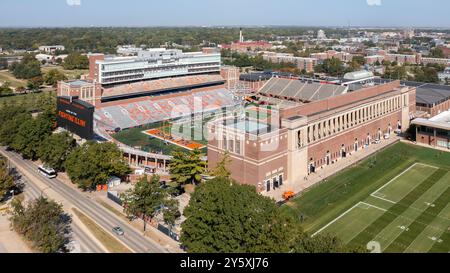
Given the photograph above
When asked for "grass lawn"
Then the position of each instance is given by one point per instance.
(398, 197)
(5, 75)
(70, 74)
(30, 100)
(111, 243)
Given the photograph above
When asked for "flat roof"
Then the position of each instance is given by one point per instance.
(249, 126)
(441, 121)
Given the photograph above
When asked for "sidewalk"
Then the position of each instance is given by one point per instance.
(151, 232)
(10, 241)
(324, 172)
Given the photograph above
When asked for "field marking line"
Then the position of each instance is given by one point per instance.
(370, 205)
(384, 199)
(374, 194)
(335, 219)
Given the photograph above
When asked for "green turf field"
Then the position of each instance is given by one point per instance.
(398, 199)
(186, 129)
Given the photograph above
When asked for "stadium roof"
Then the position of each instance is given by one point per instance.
(358, 75)
(432, 94)
(298, 91)
(253, 77)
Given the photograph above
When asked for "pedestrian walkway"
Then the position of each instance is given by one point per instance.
(10, 241)
(322, 173)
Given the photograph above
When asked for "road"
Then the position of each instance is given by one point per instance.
(133, 238)
(79, 236)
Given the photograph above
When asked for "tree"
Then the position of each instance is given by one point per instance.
(3, 63)
(187, 167)
(76, 61)
(147, 199)
(5, 88)
(221, 170)
(44, 223)
(323, 244)
(35, 83)
(28, 68)
(94, 163)
(10, 127)
(53, 76)
(224, 217)
(30, 135)
(332, 67)
(55, 149)
(437, 53)
(6, 180)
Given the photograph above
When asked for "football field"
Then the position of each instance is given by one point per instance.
(409, 213)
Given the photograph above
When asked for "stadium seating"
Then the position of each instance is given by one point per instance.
(151, 109)
(299, 91)
(154, 86)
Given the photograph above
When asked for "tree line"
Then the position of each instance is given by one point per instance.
(87, 165)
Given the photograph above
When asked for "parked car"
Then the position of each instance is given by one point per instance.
(118, 231)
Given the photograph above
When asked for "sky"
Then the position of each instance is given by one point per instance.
(369, 13)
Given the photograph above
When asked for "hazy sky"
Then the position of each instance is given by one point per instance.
(426, 13)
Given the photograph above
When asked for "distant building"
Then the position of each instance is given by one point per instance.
(444, 76)
(128, 50)
(426, 60)
(247, 46)
(373, 59)
(343, 56)
(45, 57)
(51, 49)
(301, 63)
(403, 58)
(321, 35)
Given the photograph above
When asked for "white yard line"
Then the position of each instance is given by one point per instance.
(337, 218)
(373, 206)
(374, 194)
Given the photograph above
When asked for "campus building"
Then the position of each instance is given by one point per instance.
(314, 126)
(434, 131)
(306, 64)
(51, 49)
(432, 99)
(151, 64)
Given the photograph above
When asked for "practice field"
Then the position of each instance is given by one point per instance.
(410, 213)
(406, 212)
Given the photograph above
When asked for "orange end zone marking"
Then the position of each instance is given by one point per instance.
(187, 144)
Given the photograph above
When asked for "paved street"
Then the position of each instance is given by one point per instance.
(79, 236)
(133, 238)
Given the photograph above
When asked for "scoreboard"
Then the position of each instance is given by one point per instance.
(76, 116)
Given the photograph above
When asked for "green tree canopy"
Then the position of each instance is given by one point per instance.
(44, 223)
(225, 217)
(147, 199)
(94, 163)
(76, 60)
(6, 180)
(332, 67)
(53, 76)
(30, 135)
(55, 149)
(221, 170)
(187, 167)
(11, 117)
(28, 68)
